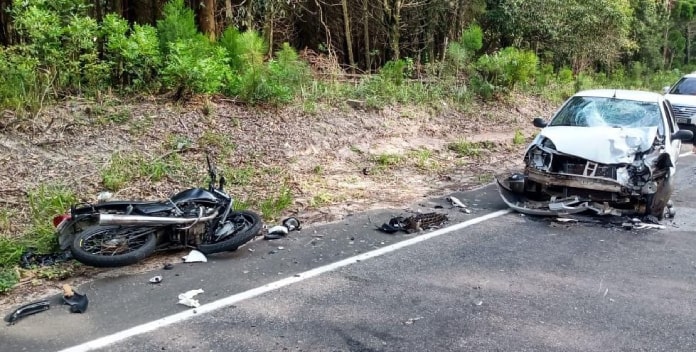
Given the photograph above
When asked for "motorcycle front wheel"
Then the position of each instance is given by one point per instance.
(247, 225)
(111, 246)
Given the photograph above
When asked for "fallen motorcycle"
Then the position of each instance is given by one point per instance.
(119, 233)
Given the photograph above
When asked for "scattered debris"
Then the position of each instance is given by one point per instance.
(280, 231)
(157, 279)
(26, 310)
(276, 232)
(414, 223)
(168, 266)
(30, 259)
(412, 320)
(186, 298)
(77, 302)
(566, 220)
(292, 223)
(456, 203)
(195, 257)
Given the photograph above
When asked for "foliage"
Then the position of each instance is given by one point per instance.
(125, 168)
(133, 55)
(45, 202)
(507, 68)
(178, 24)
(272, 207)
(19, 80)
(8, 278)
(195, 65)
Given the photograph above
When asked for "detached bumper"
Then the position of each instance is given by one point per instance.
(511, 189)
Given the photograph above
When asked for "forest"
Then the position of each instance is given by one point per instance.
(265, 51)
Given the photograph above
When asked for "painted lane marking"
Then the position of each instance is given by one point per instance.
(236, 298)
(685, 154)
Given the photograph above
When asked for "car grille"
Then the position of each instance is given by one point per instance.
(601, 170)
(683, 111)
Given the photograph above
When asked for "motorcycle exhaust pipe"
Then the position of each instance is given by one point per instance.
(140, 220)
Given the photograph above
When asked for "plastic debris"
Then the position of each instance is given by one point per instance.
(157, 279)
(456, 203)
(292, 224)
(168, 266)
(77, 302)
(195, 257)
(186, 298)
(276, 232)
(26, 310)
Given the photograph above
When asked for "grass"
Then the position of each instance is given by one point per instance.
(271, 208)
(422, 158)
(465, 148)
(321, 199)
(45, 202)
(240, 176)
(125, 168)
(387, 159)
(217, 140)
(518, 139)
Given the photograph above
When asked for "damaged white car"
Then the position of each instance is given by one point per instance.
(608, 151)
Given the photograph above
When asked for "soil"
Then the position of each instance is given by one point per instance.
(334, 159)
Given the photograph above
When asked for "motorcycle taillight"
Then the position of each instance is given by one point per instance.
(58, 219)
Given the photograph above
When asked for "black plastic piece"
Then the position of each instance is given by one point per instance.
(26, 310)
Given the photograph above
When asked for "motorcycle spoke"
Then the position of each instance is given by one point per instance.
(109, 243)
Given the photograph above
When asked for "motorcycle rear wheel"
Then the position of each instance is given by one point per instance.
(247, 225)
(111, 246)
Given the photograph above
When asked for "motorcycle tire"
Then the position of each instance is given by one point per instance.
(251, 228)
(112, 246)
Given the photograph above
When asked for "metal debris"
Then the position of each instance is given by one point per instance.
(186, 298)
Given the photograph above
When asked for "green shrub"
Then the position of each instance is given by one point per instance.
(8, 278)
(19, 80)
(195, 65)
(178, 24)
(231, 41)
(472, 38)
(133, 55)
(45, 202)
(508, 67)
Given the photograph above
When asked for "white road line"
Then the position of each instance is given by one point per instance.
(685, 154)
(230, 300)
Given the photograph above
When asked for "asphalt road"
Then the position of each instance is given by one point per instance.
(509, 283)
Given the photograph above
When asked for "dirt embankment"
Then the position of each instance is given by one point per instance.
(334, 160)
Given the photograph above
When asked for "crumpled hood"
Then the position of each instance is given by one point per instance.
(603, 144)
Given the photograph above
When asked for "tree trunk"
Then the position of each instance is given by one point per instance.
(229, 14)
(207, 14)
(349, 36)
(392, 20)
(6, 21)
(117, 7)
(366, 33)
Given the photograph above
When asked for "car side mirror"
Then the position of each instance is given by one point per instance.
(683, 135)
(665, 89)
(539, 122)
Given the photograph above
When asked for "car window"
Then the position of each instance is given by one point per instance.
(685, 86)
(599, 111)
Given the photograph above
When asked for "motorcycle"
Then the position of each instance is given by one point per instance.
(120, 233)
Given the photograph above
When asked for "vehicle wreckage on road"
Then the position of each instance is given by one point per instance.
(610, 151)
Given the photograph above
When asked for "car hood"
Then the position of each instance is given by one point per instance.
(681, 99)
(604, 145)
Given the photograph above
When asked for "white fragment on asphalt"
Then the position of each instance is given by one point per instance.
(412, 320)
(281, 248)
(245, 272)
(195, 257)
(605, 292)
(186, 298)
(566, 220)
(157, 279)
(456, 202)
(478, 303)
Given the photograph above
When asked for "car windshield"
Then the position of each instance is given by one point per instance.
(599, 111)
(685, 86)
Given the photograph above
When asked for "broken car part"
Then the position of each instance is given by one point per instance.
(186, 298)
(612, 152)
(195, 257)
(26, 310)
(414, 223)
(156, 279)
(292, 223)
(77, 302)
(276, 232)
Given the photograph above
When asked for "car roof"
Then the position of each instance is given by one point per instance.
(638, 95)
